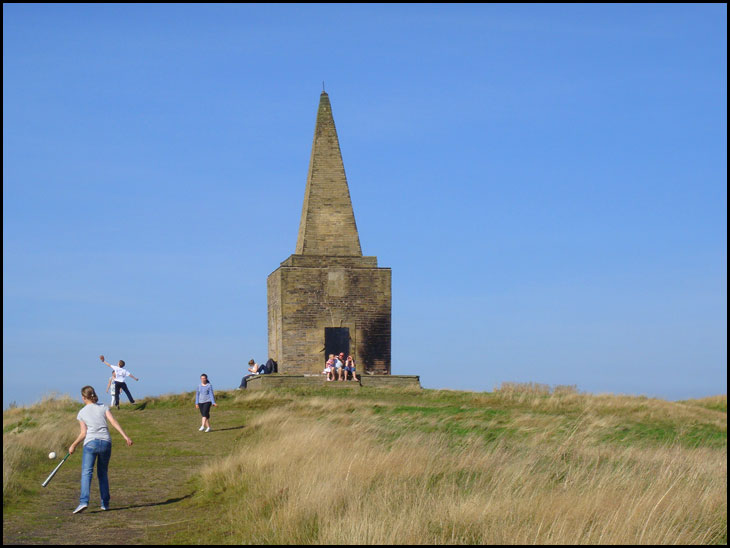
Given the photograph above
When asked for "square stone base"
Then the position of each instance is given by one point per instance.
(278, 380)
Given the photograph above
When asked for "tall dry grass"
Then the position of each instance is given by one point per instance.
(535, 388)
(323, 472)
(716, 403)
(30, 433)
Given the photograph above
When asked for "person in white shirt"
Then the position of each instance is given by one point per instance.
(253, 369)
(339, 366)
(108, 386)
(120, 374)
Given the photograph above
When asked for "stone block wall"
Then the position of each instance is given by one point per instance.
(349, 292)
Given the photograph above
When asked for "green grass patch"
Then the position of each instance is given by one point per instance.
(556, 438)
(665, 433)
(26, 423)
(715, 403)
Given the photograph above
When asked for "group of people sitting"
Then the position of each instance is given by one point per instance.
(337, 366)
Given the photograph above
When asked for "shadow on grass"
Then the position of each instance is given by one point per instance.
(213, 431)
(131, 506)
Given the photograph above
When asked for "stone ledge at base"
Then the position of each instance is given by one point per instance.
(280, 380)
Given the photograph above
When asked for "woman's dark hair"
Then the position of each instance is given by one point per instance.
(206, 377)
(89, 393)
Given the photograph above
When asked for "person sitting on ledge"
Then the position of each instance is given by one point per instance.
(350, 368)
(254, 369)
(271, 366)
(329, 368)
(339, 365)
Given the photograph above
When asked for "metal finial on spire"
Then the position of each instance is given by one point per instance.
(323, 86)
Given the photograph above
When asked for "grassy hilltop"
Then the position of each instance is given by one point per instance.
(519, 465)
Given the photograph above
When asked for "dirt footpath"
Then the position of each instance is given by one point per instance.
(148, 481)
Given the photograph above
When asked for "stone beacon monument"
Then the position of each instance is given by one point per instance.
(327, 297)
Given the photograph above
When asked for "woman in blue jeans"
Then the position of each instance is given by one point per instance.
(97, 444)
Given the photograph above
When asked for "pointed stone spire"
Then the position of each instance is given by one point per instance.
(327, 226)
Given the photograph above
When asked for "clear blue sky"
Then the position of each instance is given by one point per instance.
(547, 182)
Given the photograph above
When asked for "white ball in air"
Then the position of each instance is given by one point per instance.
(52, 455)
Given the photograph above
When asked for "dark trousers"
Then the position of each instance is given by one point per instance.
(205, 409)
(123, 386)
(244, 380)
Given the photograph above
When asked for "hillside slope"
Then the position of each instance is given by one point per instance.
(381, 466)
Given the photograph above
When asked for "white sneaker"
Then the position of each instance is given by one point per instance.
(207, 429)
(80, 508)
(201, 428)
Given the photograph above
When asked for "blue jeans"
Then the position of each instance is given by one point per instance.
(244, 380)
(103, 450)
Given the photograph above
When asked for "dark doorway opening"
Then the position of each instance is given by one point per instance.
(336, 340)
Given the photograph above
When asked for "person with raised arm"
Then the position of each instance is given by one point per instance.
(350, 368)
(120, 374)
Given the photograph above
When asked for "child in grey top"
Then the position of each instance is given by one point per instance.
(94, 432)
(94, 416)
